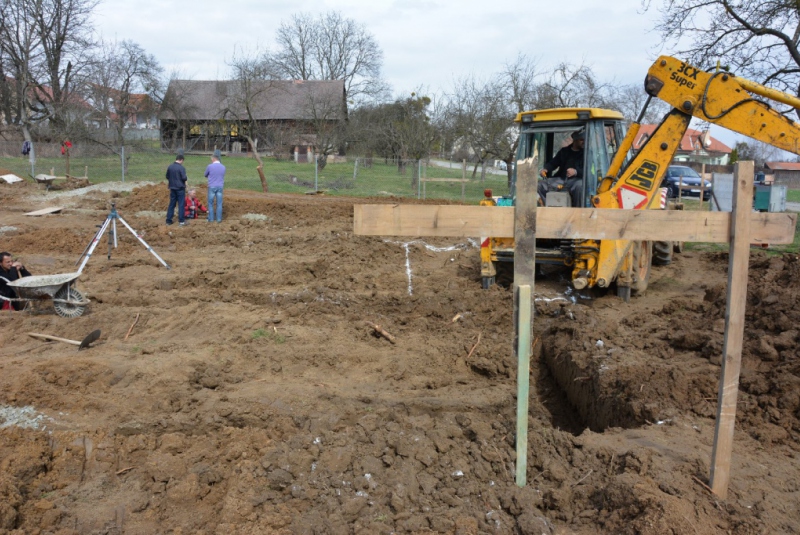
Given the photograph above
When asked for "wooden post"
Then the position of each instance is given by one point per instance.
(463, 185)
(702, 184)
(463, 169)
(524, 269)
(734, 328)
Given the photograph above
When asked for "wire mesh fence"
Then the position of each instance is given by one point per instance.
(345, 176)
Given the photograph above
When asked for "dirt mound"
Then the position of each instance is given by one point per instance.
(252, 395)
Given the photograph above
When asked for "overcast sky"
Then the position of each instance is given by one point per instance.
(425, 43)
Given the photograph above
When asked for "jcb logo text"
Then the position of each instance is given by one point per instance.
(645, 175)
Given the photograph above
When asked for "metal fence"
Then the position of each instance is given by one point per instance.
(429, 179)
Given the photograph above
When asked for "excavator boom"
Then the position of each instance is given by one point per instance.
(719, 98)
(724, 99)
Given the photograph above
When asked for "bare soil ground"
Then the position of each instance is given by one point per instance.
(251, 396)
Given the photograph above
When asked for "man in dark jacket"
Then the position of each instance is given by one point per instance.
(565, 169)
(10, 271)
(176, 180)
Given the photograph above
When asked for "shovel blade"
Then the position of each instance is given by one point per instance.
(91, 337)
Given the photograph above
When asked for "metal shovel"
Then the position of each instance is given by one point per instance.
(91, 337)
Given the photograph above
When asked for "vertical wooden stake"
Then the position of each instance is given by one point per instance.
(702, 185)
(734, 328)
(524, 269)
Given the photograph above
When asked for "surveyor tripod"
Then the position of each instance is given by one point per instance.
(111, 221)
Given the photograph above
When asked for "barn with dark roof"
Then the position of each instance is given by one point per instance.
(280, 116)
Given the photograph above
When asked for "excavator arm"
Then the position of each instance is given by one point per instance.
(720, 98)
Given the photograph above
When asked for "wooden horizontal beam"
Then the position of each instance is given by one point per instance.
(567, 223)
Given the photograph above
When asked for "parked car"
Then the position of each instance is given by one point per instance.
(672, 180)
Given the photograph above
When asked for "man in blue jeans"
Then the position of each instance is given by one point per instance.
(215, 172)
(176, 179)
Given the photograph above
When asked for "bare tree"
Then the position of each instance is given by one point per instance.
(123, 83)
(572, 86)
(251, 85)
(65, 34)
(43, 48)
(757, 40)
(326, 124)
(630, 100)
(21, 48)
(482, 112)
(758, 151)
(329, 47)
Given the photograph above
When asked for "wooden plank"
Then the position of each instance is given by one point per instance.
(45, 211)
(734, 328)
(524, 270)
(567, 223)
(11, 178)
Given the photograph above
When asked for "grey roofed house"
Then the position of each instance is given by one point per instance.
(208, 113)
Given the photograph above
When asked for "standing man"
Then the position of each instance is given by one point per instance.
(176, 180)
(215, 172)
(10, 270)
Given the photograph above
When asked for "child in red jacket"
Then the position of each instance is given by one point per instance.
(193, 206)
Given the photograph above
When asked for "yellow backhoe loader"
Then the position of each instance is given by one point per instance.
(614, 178)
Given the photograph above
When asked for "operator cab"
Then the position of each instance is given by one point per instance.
(544, 132)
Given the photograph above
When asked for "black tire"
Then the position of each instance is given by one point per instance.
(66, 310)
(672, 191)
(662, 253)
(642, 260)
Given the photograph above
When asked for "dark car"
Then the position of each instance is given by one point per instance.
(691, 178)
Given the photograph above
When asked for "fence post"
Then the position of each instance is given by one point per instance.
(122, 157)
(32, 159)
(316, 174)
(355, 170)
(419, 178)
(702, 185)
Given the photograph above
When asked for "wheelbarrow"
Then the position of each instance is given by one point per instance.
(67, 300)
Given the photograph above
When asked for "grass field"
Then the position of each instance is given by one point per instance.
(379, 179)
(793, 195)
